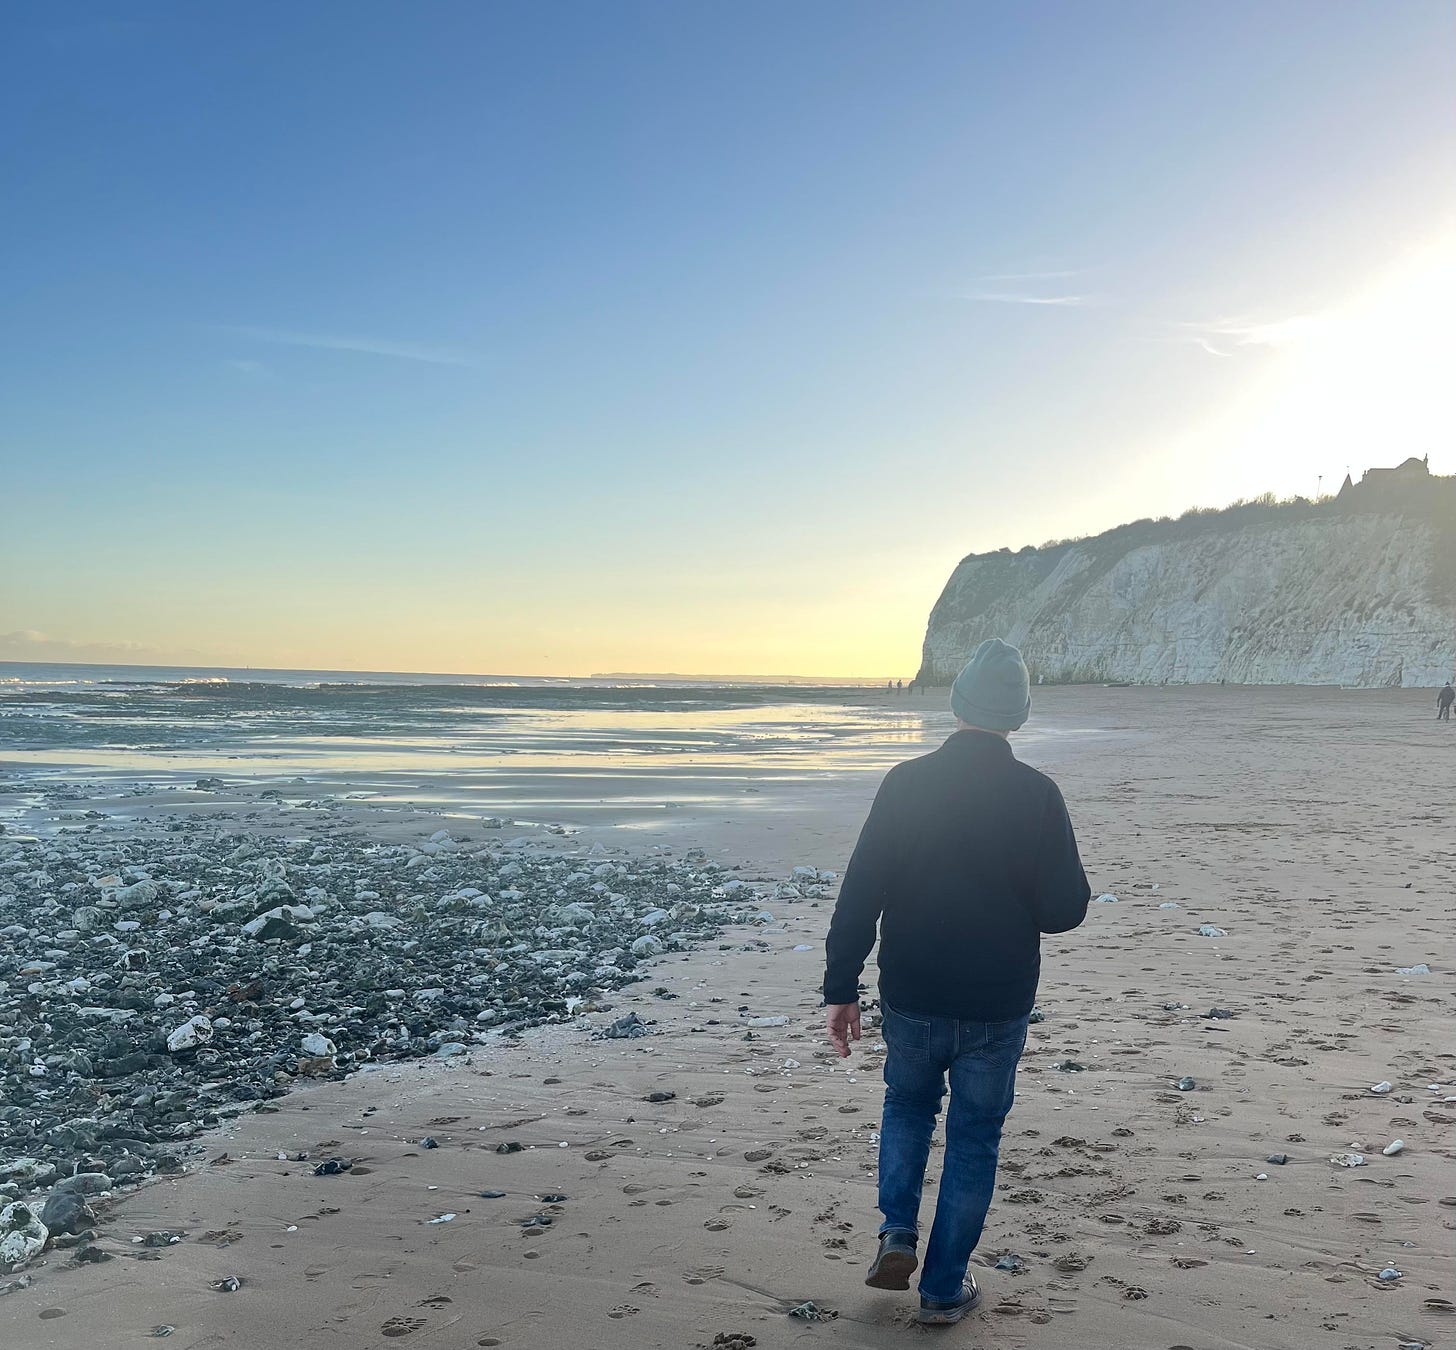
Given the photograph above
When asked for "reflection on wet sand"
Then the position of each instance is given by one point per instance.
(610, 757)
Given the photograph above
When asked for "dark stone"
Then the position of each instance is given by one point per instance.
(67, 1212)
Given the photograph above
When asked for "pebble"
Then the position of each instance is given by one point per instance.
(1381, 1088)
(1388, 1274)
(1186, 1084)
(1211, 930)
(66, 1212)
(1107, 899)
(195, 1031)
(22, 1237)
(1421, 969)
(1348, 1159)
(1395, 1146)
(624, 1029)
(121, 1043)
(1278, 1159)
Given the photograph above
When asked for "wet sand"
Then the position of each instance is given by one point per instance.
(1313, 826)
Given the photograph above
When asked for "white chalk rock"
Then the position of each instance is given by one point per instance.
(317, 1046)
(1210, 930)
(22, 1236)
(1381, 1088)
(1107, 899)
(1395, 1146)
(1421, 969)
(647, 945)
(286, 913)
(193, 1032)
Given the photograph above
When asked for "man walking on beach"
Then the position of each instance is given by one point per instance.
(1444, 700)
(966, 859)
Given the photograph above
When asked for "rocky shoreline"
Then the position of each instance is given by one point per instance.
(157, 979)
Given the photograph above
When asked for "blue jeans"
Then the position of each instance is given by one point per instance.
(981, 1059)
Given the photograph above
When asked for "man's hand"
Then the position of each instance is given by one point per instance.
(842, 1020)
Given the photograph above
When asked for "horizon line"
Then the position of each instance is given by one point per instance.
(459, 674)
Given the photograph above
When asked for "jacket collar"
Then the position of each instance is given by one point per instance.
(979, 743)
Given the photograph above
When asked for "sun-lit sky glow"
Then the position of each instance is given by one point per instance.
(559, 339)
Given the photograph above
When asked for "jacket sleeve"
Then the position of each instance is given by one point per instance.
(1060, 891)
(866, 890)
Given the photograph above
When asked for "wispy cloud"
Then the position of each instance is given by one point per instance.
(1016, 298)
(402, 351)
(1223, 337)
(31, 644)
(1063, 275)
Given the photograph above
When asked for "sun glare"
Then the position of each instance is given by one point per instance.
(1365, 382)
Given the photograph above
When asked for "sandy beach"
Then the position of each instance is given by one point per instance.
(1314, 827)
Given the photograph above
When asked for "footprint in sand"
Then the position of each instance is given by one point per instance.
(718, 1224)
(624, 1310)
(401, 1326)
(702, 1274)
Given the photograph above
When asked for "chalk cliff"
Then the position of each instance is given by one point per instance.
(1358, 589)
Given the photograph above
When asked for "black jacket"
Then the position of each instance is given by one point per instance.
(967, 858)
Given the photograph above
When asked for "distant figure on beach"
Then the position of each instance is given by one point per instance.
(1444, 700)
(899, 686)
(966, 859)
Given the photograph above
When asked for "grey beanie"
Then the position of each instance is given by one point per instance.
(993, 690)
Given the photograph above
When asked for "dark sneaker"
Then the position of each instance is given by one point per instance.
(934, 1313)
(894, 1263)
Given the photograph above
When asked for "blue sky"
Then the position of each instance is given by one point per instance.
(576, 337)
